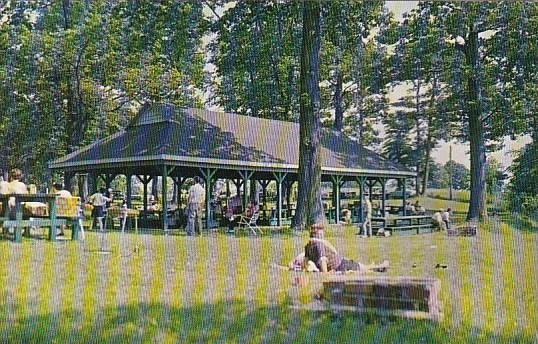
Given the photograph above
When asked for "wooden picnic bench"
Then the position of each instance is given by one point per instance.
(60, 211)
(417, 222)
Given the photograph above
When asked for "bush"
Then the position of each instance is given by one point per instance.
(524, 203)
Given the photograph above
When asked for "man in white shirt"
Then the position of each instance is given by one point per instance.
(367, 225)
(446, 218)
(194, 207)
(99, 200)
(16, 186)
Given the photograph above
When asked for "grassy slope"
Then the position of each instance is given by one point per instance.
(184, 289)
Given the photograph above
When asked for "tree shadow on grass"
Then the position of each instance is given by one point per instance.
(233, 322)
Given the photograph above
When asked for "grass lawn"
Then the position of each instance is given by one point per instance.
(219, 288)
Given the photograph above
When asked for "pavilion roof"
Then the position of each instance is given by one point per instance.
(162, 134)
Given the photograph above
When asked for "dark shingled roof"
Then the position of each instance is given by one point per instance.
(200, 138)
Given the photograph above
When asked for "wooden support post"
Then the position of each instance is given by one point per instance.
(287, 185)
(361, 181)
(383, 182)
(370, 189)
(179, 181)
(93, 186)
(337, 183)
(245, 175)
(264, 184)
(280, 177)
(208, 174)
(164, 212)
(145, 181)
(129, 193)
(404, 196)
(52, 215)
(108, 178)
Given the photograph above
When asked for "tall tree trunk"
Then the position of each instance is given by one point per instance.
(477, 204)
(338, 108)
(309, 206)
(419, 133)
(429, 139)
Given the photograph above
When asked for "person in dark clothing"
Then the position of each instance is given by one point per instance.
(326, 258)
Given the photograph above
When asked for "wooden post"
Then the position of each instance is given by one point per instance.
(93, 178)
(129, 193)
(18, 217)
(383, 182)
(370, 190)
(179, 181)
(404, 198)
(245, 175)
(145, 181)
(264, 184)
(337, 183)
(52, 215)
(208, 174)
(361, 181)
(280, 177)
(288, 186)
(164, 200)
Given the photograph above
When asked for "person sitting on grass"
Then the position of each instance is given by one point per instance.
(326, 258)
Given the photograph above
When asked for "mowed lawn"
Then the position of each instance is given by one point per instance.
(219, 288)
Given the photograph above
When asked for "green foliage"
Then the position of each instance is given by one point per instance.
(74, 71)
(524, 183)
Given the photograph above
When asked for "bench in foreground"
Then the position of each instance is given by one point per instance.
(409, 297)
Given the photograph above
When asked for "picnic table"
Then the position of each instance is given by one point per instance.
(52, 221)
(409, 222)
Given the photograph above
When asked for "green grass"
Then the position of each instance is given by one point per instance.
(178, 289)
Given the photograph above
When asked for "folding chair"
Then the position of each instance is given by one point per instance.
(250, 223)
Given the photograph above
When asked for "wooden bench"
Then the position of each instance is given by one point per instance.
(58, 211)
(410, 297)
(18, 225)
(417, 227)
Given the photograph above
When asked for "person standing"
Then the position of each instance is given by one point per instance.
(367, 225)
(446, 218)
(195, 201)
(99, 201)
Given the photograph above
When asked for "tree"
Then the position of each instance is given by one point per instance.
(438, 176)
(397, 146)
(524, 183)
(417, 59)
(309, 207)
(495, 175)
(352, 65)
(477, 67)
(460, 175)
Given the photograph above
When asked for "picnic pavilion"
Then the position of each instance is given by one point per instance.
(179, 143)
